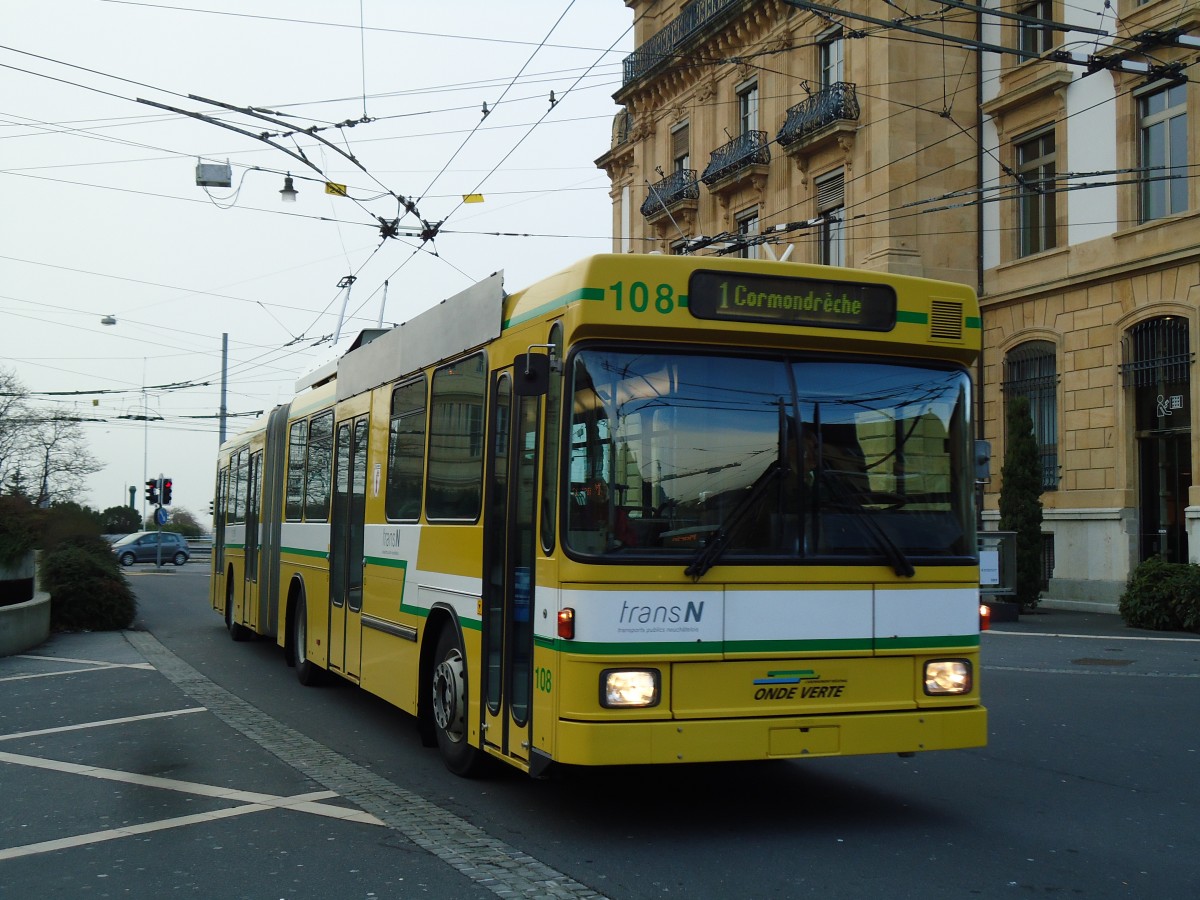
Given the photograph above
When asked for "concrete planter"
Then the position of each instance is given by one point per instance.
(26, 623)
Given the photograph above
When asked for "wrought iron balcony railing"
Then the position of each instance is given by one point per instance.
(670, 190)
(663, 45)
(838, 102)
(747, 149)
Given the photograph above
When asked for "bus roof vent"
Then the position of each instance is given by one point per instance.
(946, 320)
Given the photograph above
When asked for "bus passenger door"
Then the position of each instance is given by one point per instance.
(346, 528)
(508, 560)
(249, 615)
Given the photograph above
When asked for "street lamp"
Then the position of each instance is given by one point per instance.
(289, 192)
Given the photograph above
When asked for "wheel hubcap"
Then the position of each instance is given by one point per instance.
(448, 696)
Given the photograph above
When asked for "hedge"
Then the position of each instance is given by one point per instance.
(1162, 596)
(86, 587)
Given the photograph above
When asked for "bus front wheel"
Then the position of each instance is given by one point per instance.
(448, 695)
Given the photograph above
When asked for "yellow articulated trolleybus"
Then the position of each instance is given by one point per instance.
(652, 509)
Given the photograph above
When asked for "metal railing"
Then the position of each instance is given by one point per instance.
(750, 148)
(663, 45)
(673, 188)
(838, 102)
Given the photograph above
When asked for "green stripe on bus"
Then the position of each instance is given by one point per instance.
(422, 613)
(974, 322)
(855, 645)
(670, 648)
(912, 318)
(298, 551)
(649, 648)
(557, 303)
(388, 562)
(927, 643)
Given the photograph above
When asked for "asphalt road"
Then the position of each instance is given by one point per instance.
(1089, 786)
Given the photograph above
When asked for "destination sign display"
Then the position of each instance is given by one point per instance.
(742, 297)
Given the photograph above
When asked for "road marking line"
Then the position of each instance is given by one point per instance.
(97, 668)
(1111, 673)
(301, 803)
(103, 723)
(1094, 637)
(298, 802)
(487, 861)
(106, 663)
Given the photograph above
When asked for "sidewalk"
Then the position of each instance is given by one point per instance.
(1069, 621)
(109, 740)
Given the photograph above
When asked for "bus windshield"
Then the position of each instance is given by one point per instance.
(693, 456)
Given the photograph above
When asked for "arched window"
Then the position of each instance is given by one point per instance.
(1029, 372)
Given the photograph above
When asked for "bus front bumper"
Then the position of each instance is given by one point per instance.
(728, 740)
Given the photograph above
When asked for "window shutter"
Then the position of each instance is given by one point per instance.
(831, 192)
(679, 141)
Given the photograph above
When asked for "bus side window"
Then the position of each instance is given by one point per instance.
(318, 468)
(406, 452)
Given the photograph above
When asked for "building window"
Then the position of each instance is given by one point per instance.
(1162, 121)
(681, 157)
(1034, 37)
(831, 204)
(1029, 372)
(747, 97)
(1036, 198)
(831, 60)
(747, 226)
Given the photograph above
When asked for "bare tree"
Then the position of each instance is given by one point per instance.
(43, 455)
(58, 453)
(14, 421)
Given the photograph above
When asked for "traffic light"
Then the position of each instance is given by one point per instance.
(166, 492)
(152, 491)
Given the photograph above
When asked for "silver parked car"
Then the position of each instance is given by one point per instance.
(143, 547)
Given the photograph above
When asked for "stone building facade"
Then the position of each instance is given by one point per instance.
(1046, 166)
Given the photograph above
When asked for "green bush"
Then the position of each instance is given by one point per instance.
(18, 529)
(1162, 596)
(98, 547)
(87, 590)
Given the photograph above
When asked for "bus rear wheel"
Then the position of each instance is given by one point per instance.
(308, 673)
(448, 696)
(237, 631)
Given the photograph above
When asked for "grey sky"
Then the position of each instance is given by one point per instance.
(101, 215)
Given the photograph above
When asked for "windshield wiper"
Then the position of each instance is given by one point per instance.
(707, 556)
(891, 550)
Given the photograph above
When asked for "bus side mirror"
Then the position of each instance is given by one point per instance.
(531, 374)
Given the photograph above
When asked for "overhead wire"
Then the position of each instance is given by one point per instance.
(863, 175)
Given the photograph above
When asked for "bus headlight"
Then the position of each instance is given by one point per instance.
(948, 676)
(624, 688)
